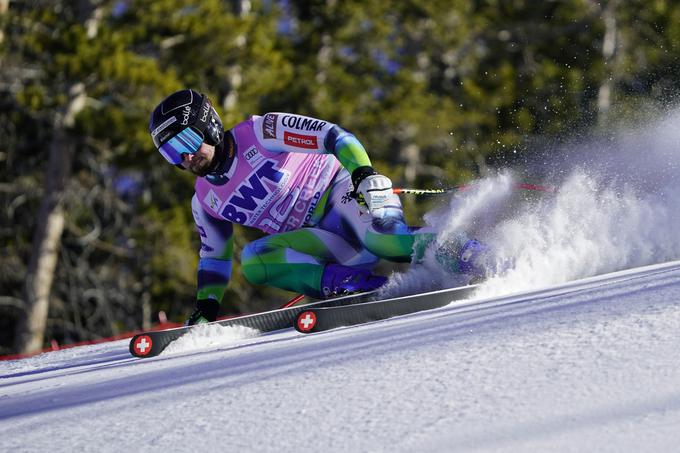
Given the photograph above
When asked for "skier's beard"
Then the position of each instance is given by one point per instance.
(203, 166)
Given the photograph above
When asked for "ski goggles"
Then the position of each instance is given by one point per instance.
(187, 141)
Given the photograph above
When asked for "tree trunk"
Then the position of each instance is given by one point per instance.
(609, 45)
(242, 9)
(411, 154)
(30, 330)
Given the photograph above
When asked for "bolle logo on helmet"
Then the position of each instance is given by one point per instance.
(204, 116)
(185, 115)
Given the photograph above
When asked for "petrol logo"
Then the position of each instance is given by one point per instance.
(300, 141)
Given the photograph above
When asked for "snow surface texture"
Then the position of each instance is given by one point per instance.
(591, 365)
(543, 358)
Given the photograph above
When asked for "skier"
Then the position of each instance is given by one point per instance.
(307, 183)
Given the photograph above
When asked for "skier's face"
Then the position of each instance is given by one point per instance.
(199, 162)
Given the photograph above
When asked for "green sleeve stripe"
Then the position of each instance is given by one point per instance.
(351, 153)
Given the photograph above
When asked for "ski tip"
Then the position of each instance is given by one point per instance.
(305, 322)
(141, 345)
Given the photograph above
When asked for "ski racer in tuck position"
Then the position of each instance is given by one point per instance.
(307, 183)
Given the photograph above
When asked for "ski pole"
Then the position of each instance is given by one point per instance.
(467, 186)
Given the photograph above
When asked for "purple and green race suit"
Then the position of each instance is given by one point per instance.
(291, 179)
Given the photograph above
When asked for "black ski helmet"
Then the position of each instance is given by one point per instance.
(181, 122)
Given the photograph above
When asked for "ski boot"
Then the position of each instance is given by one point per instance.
(472, 258)
(338, 280)
(206, 311)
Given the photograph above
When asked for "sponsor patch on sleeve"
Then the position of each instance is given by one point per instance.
(300, 140)
(269, 125)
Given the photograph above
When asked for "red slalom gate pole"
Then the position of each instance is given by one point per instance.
(293, 301)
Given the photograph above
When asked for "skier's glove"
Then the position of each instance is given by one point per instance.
(371, 190)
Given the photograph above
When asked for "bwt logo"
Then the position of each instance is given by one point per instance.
(247, 195)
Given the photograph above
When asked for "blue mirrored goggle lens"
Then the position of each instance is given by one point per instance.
(187, 141)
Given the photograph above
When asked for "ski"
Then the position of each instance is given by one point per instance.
(152, 343)
(318, 319)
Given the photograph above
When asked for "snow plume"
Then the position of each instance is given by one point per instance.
(616, 206)
(209, 336)
(590, 227)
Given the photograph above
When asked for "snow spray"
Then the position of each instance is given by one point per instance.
(617, 206)
(213, 336)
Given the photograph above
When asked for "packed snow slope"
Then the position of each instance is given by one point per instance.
(591, 365)
(573, 347)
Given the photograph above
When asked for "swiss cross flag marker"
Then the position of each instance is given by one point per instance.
(306, 321)
(143, 345)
